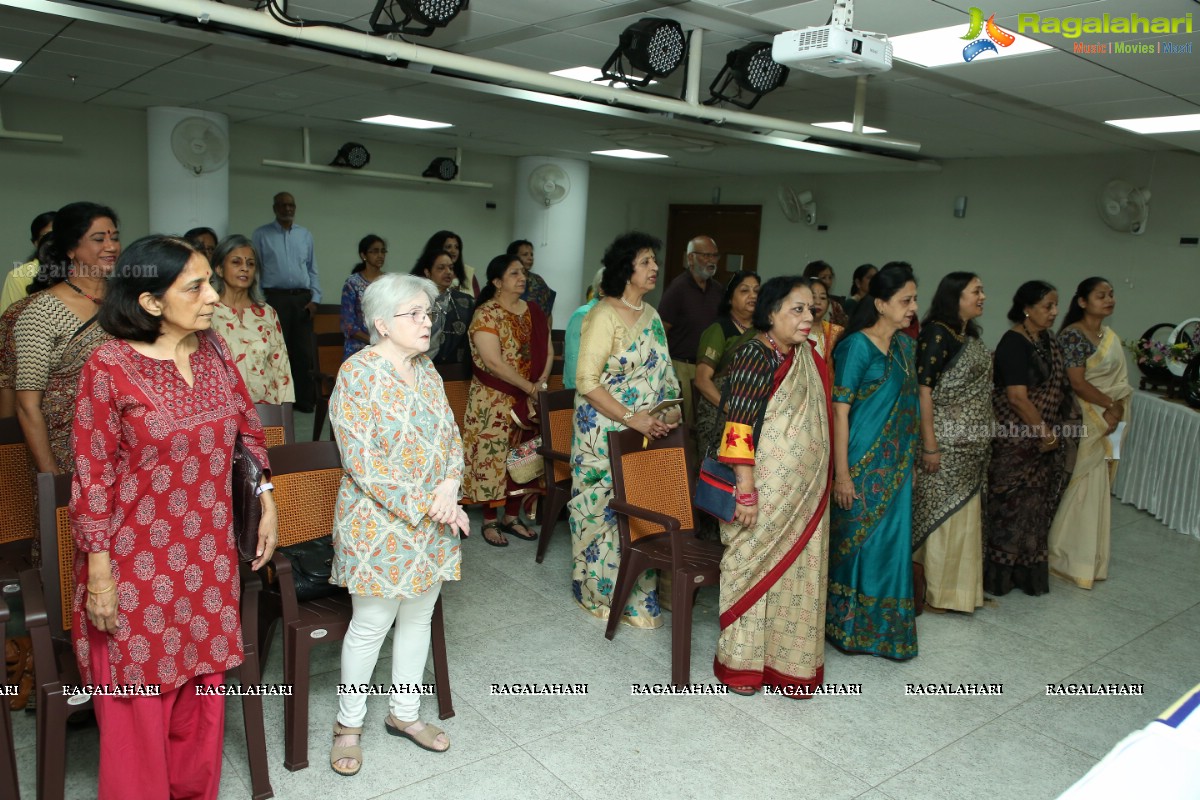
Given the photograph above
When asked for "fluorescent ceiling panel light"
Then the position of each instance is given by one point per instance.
(406, 122)
(589, 75)
(1176, 124)
(9, 64)
(627, 154)
(848, 127)
(944, 46)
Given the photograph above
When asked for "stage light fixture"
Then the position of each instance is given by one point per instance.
(351, 154)
(752, 71)
(441, 167)
(652, 46)
(394, 16)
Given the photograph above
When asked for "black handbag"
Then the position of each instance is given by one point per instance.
(312, 566)
(716, 488)
(247, 507)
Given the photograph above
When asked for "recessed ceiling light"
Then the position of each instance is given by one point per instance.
(944, 46)
(848, 127)
(9, 64)
(1175, 124)
(588, 75)
(627, 154)
(406, 122)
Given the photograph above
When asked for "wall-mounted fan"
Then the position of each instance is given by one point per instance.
(798, 207)
(1124, 207)
(550, 184)
(199, 144)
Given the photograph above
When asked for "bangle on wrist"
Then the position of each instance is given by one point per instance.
(747, 499)
(110, 588)
(931, 452)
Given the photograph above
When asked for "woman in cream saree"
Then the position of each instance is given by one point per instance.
(773, 572)
(1079, 536)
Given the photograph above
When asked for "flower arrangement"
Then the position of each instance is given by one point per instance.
(1149, 352)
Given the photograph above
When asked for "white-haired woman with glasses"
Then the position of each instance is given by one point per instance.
(248, 325)
(397, 523)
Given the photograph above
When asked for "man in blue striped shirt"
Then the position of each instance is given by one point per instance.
(288, 277)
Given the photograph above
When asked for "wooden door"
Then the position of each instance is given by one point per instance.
(735, 229)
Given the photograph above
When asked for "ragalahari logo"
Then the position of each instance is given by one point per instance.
(991, 33)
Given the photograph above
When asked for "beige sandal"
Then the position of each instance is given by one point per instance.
(425, 739)
(353, 751)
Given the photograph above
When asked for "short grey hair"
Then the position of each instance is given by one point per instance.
(230, 243)
(595, 287)
(389, 292)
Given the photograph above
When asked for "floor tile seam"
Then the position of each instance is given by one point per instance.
(552, 773)
(438, 775)
(936, 752)
(1067, 745)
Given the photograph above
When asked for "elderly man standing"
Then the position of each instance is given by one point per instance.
(689, 305)
(288, 276)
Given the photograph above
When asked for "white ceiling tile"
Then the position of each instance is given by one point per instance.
(1132, 109)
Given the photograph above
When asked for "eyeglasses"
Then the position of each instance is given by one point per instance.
(420, 315)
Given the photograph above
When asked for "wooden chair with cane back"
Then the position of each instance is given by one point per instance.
(328, 318)
(8, 755)
(328, 354)
(18, 513)
(555, 380)
(278, 423)
(306, 477)
(556, 415)
(456, 379)
(652, 497)
(49, 596)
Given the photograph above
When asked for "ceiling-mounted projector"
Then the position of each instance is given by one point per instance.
(833, 52)
(835, 49)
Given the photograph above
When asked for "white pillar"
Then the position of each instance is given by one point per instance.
(180, 199)
(556, 230)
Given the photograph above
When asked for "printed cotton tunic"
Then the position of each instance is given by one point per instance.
(152, 486)
(398, 442)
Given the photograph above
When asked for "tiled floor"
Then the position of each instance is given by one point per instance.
(511, 620)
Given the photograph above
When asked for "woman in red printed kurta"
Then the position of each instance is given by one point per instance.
(157, 587)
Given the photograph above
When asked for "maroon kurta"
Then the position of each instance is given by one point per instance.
(152, 487)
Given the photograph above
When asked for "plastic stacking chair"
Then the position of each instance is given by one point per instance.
(556, 412)
(652, 498)
(306, 477)
(278, 423)
(48, 610)
(328, 318)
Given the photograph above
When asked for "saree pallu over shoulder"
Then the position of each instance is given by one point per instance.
(962, 422)
(870, 605)
(62, 389)
(637, 376)
(773, 575)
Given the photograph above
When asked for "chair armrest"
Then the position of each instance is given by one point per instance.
(554, 455)
(290, 607)
(621, 507)
(3, 617)
(35, 601)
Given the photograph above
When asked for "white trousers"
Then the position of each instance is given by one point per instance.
(372, 618)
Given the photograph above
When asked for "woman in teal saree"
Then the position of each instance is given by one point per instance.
(870, 607)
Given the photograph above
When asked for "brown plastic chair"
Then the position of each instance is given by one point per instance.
(328, 352)
(555, 381)
(456, 378)
(328, 318)
(17, 506)
(652, 498)
(556, 415)
(306, 477)
(48, 613)
(8, 756)
(279, 426)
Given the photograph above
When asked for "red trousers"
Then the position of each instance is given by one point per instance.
(158, 748)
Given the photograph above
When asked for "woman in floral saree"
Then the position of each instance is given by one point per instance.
(623, 371)
(954, 371)
(777, 439)
(870, 606)
(1095, 363)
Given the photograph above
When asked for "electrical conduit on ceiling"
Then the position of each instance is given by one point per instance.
(494, 72)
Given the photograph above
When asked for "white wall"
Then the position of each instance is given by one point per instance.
(1026, 218)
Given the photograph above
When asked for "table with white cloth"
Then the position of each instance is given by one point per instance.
(1160, 462)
